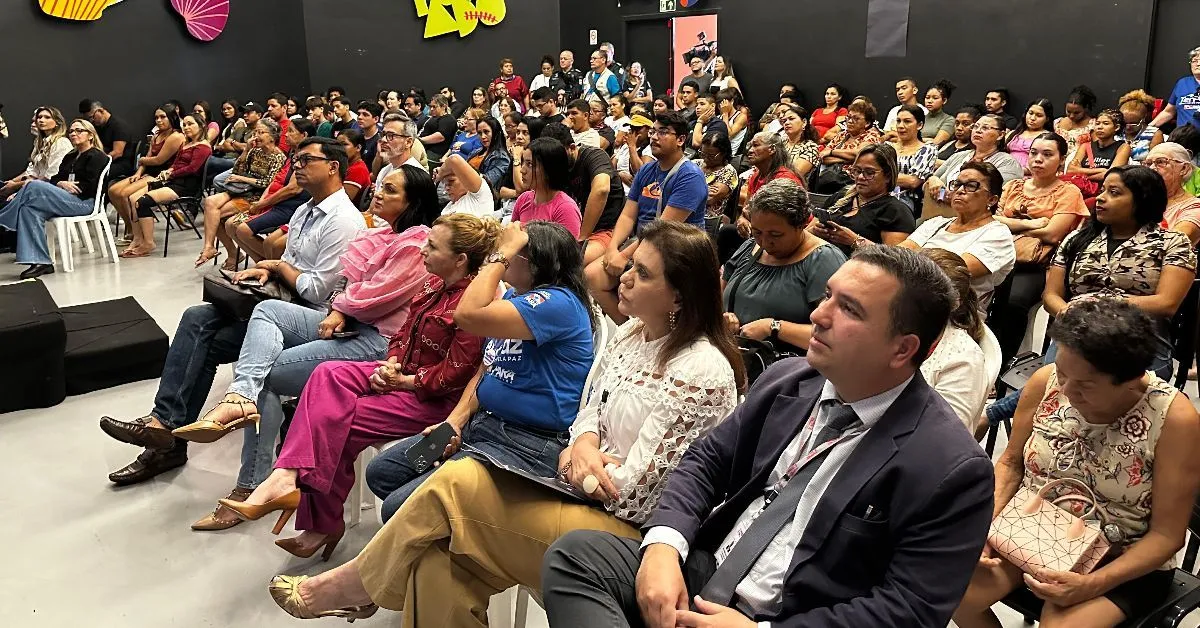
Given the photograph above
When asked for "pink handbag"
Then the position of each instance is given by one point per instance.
(1033, 531)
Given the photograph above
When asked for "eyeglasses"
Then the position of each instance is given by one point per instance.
(984, 127)
(969, 187)
(77, 131)
(654, 132)
(389, 136)
(302, 161)
(1160, 162)
(866, 173)
(855, 119)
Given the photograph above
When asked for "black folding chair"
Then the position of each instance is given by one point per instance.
(182, 212)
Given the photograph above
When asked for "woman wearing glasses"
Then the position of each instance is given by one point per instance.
(867, 212)
(987, 138)
(67, 193)
(860, 131)
(1173, 162)
(974, 234)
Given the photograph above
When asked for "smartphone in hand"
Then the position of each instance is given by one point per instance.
(430, 449)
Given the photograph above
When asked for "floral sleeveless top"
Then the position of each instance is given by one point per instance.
(1116, 460)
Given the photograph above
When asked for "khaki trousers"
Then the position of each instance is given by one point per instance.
(468, 533)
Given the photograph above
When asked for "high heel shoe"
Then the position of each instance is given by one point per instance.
(285, 590)
(208, 431)
(293, 547)
(253, 512)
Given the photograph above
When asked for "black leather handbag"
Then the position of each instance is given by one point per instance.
(237, 300)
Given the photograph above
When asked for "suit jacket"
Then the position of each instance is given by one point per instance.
(907, 566)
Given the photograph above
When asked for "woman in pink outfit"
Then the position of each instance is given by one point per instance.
(545, 166)
(348, 406)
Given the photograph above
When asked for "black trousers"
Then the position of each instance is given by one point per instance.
(589, 578)
(1010, 313)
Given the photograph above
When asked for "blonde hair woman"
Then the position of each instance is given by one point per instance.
(50, 146)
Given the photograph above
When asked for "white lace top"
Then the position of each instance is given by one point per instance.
(648, 419)
(956, 371)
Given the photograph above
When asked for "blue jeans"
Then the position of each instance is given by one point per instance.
(203, 341)
(218, 166)
(393, 478)
(279, 354)
(34, 204)
(1006, 408)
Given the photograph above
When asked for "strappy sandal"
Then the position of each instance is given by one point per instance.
(208, 431)
(285, 590)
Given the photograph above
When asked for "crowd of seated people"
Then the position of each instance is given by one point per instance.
(452, 263)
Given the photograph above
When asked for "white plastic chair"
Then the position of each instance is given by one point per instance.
(1035, 331)
(65, 227)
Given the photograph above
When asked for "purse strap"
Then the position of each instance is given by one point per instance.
(662, 189)
(737, 281)
(1089, 496)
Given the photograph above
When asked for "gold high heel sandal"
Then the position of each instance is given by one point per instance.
(253, 512)
(208, 431)
(285, 590)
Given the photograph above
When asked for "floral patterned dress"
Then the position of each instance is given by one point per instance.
(1116, 460)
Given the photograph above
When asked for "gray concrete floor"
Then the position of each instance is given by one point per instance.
(79, 552)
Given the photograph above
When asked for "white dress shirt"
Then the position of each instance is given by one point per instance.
(317, 237)
(762, 588)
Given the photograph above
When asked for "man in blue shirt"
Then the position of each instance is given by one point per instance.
(669, 188)
(1184, 104)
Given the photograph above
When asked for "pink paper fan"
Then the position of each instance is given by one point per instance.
(205, 19)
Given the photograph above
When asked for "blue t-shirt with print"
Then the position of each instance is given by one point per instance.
(686, 190)
(1186, 98)
(539, 382)
(471, 144)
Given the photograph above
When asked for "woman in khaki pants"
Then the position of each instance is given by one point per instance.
(671, 374)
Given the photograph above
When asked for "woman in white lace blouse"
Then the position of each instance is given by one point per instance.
(670, 374)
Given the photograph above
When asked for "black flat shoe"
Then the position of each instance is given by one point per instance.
(138, 432)
(37, 270)
(148, 464)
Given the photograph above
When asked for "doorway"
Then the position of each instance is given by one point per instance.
(649, 41)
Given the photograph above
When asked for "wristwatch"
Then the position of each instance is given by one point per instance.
(497, 258)
(775, 325)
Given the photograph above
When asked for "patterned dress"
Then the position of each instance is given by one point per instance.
(1116, 460)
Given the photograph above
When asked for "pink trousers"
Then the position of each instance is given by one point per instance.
(337, 418)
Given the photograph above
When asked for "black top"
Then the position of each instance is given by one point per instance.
(86, 169)
(537, 125)
(949, 149)
(370, 148)
(1010, 121)
(456, 108)
(1103, 157)
(593, 162)
(444, 124)
(114, 131)
(570, 83)
(609, 134)
(886, 213)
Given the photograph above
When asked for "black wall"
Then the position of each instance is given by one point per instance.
(1035, 48)
(137, 55)
(369, 45)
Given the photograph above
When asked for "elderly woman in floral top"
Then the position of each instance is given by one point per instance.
(1097, 417)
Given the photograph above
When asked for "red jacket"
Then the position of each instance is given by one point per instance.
(430, 346)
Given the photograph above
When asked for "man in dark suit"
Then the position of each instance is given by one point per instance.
(846, 491)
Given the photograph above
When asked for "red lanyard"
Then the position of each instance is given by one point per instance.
(791, 472)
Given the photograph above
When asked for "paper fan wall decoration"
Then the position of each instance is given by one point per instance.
(205, 19)
(82, 11)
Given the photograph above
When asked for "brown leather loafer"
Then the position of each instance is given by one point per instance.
(222, 518)
(148, 464)
(138, 432)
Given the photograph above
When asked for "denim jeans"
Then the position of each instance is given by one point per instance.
(34, 204)
(393, 478)
(221, 177)
(1006, 408)
(218, 166)
(278, 356)
(203, 340)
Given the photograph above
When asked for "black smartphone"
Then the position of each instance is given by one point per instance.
(429, 450)
(345, 334)
(823, 216)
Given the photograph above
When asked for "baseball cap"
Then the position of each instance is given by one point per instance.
(639, 120)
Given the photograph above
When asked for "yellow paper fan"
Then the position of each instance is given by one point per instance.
(82, 10)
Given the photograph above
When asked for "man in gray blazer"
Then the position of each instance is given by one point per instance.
(842, 492)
